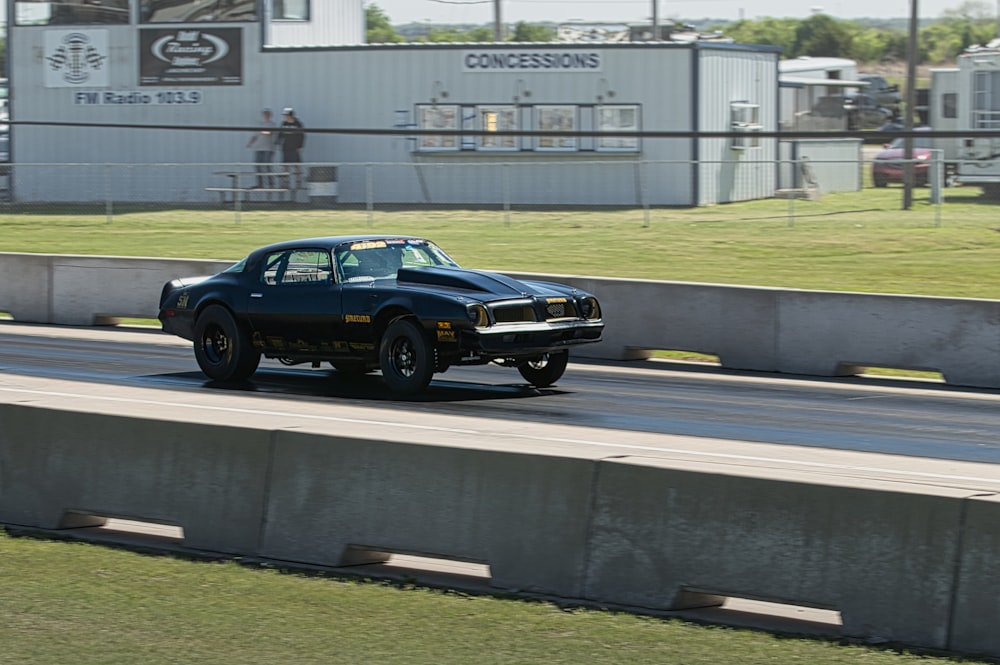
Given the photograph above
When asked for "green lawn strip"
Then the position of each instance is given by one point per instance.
(846, 241)
(68, 602)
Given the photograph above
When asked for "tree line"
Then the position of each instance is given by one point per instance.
(938, 42)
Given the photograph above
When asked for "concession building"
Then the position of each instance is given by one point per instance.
(150, 100)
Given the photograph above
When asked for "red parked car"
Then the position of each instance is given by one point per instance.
(888, 164)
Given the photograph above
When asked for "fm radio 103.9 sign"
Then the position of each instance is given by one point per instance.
(191, 56)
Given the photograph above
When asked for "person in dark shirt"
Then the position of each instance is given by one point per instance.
(291, 138)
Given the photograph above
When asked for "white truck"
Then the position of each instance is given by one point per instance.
(968, 97)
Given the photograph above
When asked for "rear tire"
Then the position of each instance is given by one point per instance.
(879, 181)
(546, 370)
(222, 347)
(406, 359)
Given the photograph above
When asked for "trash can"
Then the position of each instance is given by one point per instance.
(322, 186)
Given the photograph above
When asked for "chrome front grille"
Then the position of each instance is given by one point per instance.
(560, 310)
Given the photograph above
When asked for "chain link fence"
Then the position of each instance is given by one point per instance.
(506, 187)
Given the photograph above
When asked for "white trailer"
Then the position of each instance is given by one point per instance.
(942, 114)
(977, 107)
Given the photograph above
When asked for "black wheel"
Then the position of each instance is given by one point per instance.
(546, 370)
(222, 348)
(405, 358)
(879, 180)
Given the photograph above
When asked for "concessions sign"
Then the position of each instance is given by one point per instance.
(191, 56)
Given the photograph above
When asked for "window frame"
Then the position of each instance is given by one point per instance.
(503, 143)
(307, 15)
(606, 140)
(750, 126)
(561, 143)
(142, 4)
(17, 21)
(439, 143)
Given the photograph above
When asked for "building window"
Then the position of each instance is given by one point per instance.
(438, 116)
(556, 119)
(70, 12)
(745, 119)
(497, 119)
(191, 11)
(986, 100)
(618, 118)
(949, 105)
(290, 10)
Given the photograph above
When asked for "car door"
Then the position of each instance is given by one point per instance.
(295, 308)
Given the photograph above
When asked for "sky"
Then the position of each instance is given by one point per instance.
(631, 11)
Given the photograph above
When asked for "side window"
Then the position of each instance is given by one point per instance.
(497, 119)
(438, 116)
(70, 12)
(551, 118)
(745, 119)
(297, 267)
(613, 118)
(290, 10)
(189, 11)
(949, 105)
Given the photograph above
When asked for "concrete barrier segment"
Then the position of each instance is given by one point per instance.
(823, 333)
(62, 469)
(341, 500)
(977, 592)
(669, 535)
(26, 286)
(735, 323)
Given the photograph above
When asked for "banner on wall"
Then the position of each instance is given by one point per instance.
(76, 58)
(191, 56)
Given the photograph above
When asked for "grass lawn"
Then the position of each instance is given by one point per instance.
(77, 603)
(847, 241)
(69, 602)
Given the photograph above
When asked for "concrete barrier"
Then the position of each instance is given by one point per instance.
(344, 500)
(89, 290)
(68, 469)
(977, 588)
(749, 328)
(901, 562)
(673, 536)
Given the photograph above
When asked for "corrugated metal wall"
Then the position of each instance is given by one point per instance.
(726, 76)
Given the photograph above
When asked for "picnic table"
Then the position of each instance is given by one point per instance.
(242, 184)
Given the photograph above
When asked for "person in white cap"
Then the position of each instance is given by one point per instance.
(262, 143)
(291, 138)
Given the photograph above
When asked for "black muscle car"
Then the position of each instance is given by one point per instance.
(363, 303)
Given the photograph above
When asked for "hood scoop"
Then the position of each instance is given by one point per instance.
(460, 278)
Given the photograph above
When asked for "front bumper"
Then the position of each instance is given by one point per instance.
(531, 339)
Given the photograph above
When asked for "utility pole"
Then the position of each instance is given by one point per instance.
(497, 21)
(656, 21)
(911, 99)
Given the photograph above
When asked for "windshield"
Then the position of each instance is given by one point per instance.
(381, 259)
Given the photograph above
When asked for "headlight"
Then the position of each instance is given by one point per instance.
(478, 315)
(589, 308)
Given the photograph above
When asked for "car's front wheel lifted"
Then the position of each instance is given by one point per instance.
(406, 359)
(222, 348)
(546, 370)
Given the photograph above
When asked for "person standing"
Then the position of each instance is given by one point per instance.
(262, 143)
(291, 138)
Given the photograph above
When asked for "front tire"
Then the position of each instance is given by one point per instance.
(546, 370)
(222, 348)
(405, 357)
